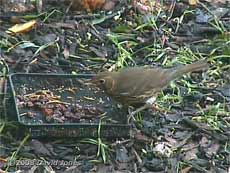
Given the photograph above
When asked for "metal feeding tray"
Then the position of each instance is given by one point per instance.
(63, 105)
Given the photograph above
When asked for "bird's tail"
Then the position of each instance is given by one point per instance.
(197, 66)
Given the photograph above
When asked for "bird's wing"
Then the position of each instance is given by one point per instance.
(156, 79)
(136, 81)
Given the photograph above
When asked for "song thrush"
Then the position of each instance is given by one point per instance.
(140, 85)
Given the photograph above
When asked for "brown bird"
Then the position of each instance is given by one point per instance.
(140, 85)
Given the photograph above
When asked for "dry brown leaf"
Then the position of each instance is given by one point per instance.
(186, 170)
(19, 6)
(141, 8)
(88, 5)
(109, 5)
(47, 112)
(91, 5)
(22, 28)
(193, 2)
(146, 6)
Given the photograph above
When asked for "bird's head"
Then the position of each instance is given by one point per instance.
(103, 80)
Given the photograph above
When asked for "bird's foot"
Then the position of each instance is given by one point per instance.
(131, 115)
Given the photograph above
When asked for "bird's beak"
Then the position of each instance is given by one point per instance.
(92, 82)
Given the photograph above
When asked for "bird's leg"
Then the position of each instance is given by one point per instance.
(148, 104)
(131, 114)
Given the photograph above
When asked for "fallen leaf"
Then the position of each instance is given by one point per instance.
(141, 8)
(202, 17)
(18, 6)
(105, 168)
(140, 137)
(155, 165)
(88, 5)
(193, 2)
(122, 154)
(47, 112)
(191, 151)
(212, 150)
(186, 170)
(22, 28)
(91, 5)
(109, 5)
(204, 142)
(66, 53)
(39, 148)
(163, 149)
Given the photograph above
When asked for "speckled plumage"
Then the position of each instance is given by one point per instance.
(135, 85)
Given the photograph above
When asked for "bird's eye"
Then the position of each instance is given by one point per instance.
(102, 81)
